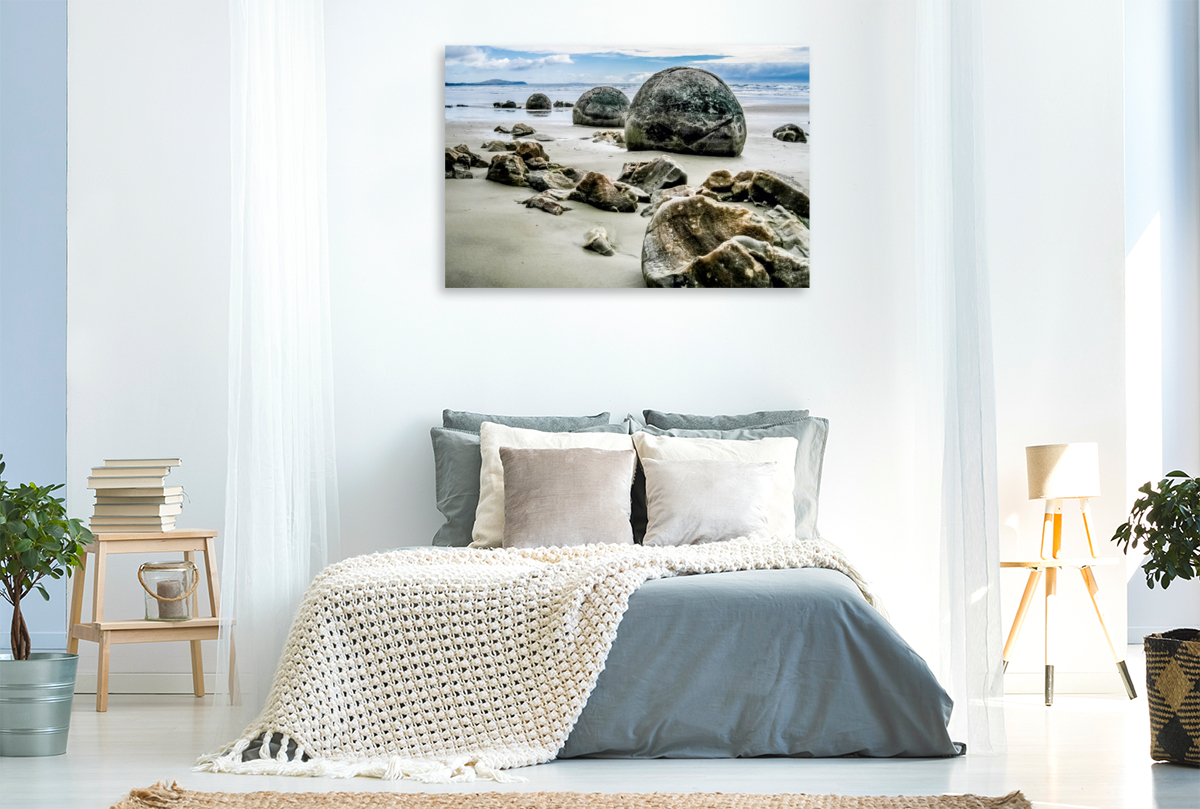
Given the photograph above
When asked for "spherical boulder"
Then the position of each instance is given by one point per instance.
(537, 101)
(601, 106)
(688, 111)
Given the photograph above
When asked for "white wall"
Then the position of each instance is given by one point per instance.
(1053, 96)
(1162, 213)
(405, 347)
(148, 247)
(149, 84)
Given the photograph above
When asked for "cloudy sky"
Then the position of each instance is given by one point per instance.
(554, 65)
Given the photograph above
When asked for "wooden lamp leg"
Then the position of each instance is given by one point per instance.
(1051, 608)
(1086, 511)
(1093, 588)
(1048, 517)
(1035, 576)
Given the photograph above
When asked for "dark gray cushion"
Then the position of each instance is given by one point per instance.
(463, 420)
(456, 464)
(685, 421)
(811, 433)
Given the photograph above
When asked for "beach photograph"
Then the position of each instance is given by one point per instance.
(662, 167)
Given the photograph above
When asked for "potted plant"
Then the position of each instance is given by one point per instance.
(1166, 522)
(36, 688)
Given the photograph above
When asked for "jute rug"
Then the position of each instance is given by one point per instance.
(162, 796)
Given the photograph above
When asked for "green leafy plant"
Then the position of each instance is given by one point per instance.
(1167, 522)
(36, 540)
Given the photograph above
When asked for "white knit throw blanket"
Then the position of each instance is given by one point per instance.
(448, 666)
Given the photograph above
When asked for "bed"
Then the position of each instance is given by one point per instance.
(449, 664)
(760, 663)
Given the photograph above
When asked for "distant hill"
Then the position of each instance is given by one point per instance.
(480, 83)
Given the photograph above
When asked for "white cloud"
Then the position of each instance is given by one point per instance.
(727, 53)
(469, 56)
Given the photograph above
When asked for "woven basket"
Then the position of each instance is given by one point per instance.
(1173, 692)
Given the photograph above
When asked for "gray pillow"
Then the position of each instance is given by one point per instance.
(456, 464)
(811, 433)
(684, 421)
(695, 501)
(564, 497)
(463, 420)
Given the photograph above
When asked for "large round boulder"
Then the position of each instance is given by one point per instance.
(537, 101)
(688, 111)
(601, 106)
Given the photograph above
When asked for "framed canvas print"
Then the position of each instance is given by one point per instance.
(640, 167)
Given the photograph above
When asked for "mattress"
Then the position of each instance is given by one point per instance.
(760, 663)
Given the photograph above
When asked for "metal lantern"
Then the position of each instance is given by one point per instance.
(169, 587)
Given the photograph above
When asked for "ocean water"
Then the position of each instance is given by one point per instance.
(479, 99)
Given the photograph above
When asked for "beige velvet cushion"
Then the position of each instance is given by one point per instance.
(566, 496)
(781, 516)
(488, 531)
(689, 502)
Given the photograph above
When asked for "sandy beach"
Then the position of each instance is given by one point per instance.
(491, 241)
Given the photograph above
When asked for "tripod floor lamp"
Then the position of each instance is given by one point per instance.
(1059, 472)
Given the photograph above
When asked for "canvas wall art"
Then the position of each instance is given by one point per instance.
(636, 167)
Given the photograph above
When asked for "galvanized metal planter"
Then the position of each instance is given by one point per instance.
(35, 703)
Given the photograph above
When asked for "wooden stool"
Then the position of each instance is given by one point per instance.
(106, 633)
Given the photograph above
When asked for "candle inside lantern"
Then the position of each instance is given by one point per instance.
(171, 610)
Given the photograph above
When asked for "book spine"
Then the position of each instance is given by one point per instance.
(130, 472)
(103, 499)
(132, 510)
(125, 483)
(139, 491)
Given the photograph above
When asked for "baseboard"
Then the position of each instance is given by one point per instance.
(142, 683)
(1065, 682)
(1136, 633)
(46, 641)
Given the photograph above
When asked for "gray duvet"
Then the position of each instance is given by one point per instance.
(760, 663)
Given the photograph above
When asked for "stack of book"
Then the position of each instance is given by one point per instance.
(132, 496)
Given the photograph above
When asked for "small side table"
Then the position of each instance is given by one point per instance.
(1051, 567)
(106, 633)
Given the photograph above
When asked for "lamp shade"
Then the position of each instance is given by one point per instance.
(1063, 470)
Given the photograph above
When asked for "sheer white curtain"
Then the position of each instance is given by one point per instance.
(281, 508)
(957, 428)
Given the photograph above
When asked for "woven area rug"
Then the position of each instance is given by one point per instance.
(162, 796)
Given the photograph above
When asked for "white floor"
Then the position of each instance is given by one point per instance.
(1082, 752)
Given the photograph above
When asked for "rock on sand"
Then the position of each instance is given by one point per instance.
(695, 241)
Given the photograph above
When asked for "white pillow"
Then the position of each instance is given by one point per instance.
(781, 518)
(690, 502)
(489, 514)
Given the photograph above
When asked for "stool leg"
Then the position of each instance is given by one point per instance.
(1035, 576)
(1051, 604)
(77, 579)
(197, 669)
(102, 675)
(1093, 588)
(197, 652)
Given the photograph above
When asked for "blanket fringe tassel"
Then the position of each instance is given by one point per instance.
(455, 769)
